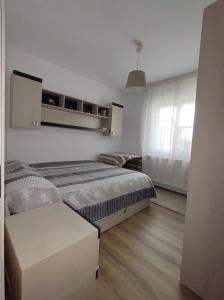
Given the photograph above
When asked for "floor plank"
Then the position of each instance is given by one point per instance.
(140, 258)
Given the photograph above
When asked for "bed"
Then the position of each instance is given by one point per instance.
(101, 193)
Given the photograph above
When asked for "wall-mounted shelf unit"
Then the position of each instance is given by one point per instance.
(33, 106)
(66, 111)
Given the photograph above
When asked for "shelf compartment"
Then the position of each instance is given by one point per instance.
(103, 111)
(89, 108)
(73, 104)
(53, 99)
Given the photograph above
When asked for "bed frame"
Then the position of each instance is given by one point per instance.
(121, 215)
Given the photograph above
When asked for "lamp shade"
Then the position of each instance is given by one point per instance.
(136, 82)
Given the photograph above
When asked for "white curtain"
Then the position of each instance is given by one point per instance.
(168, 129)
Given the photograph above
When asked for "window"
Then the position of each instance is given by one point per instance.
(170, 108)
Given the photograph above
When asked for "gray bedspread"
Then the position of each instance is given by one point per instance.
(94, 189)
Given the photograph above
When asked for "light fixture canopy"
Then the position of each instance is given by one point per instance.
(136, 82)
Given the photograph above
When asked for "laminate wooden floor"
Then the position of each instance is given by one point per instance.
(140, 258)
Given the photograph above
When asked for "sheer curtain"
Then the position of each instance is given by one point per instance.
(168, 129)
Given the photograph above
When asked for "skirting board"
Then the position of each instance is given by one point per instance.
(170, 188)
(121, 215)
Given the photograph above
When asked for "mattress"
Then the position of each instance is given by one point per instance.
(95, 189)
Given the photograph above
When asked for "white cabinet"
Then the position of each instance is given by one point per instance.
(116, 119)
(25, 101)
(51, 253)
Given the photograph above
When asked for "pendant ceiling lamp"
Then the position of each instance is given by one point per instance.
(136, 83)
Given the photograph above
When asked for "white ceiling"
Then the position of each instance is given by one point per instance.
(94, 37)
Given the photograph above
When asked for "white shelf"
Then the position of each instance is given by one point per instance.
(74, 111)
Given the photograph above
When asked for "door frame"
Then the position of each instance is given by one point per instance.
(2, 143)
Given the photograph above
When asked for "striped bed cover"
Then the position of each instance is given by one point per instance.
(96, 190)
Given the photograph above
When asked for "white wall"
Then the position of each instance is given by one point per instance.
(203, 253)
(53, 144)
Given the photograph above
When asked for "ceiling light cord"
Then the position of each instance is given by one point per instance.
(139, 46)
(137, 60)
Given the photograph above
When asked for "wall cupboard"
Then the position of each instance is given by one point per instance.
(26, 101)
(116, 119)
(33, 106)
